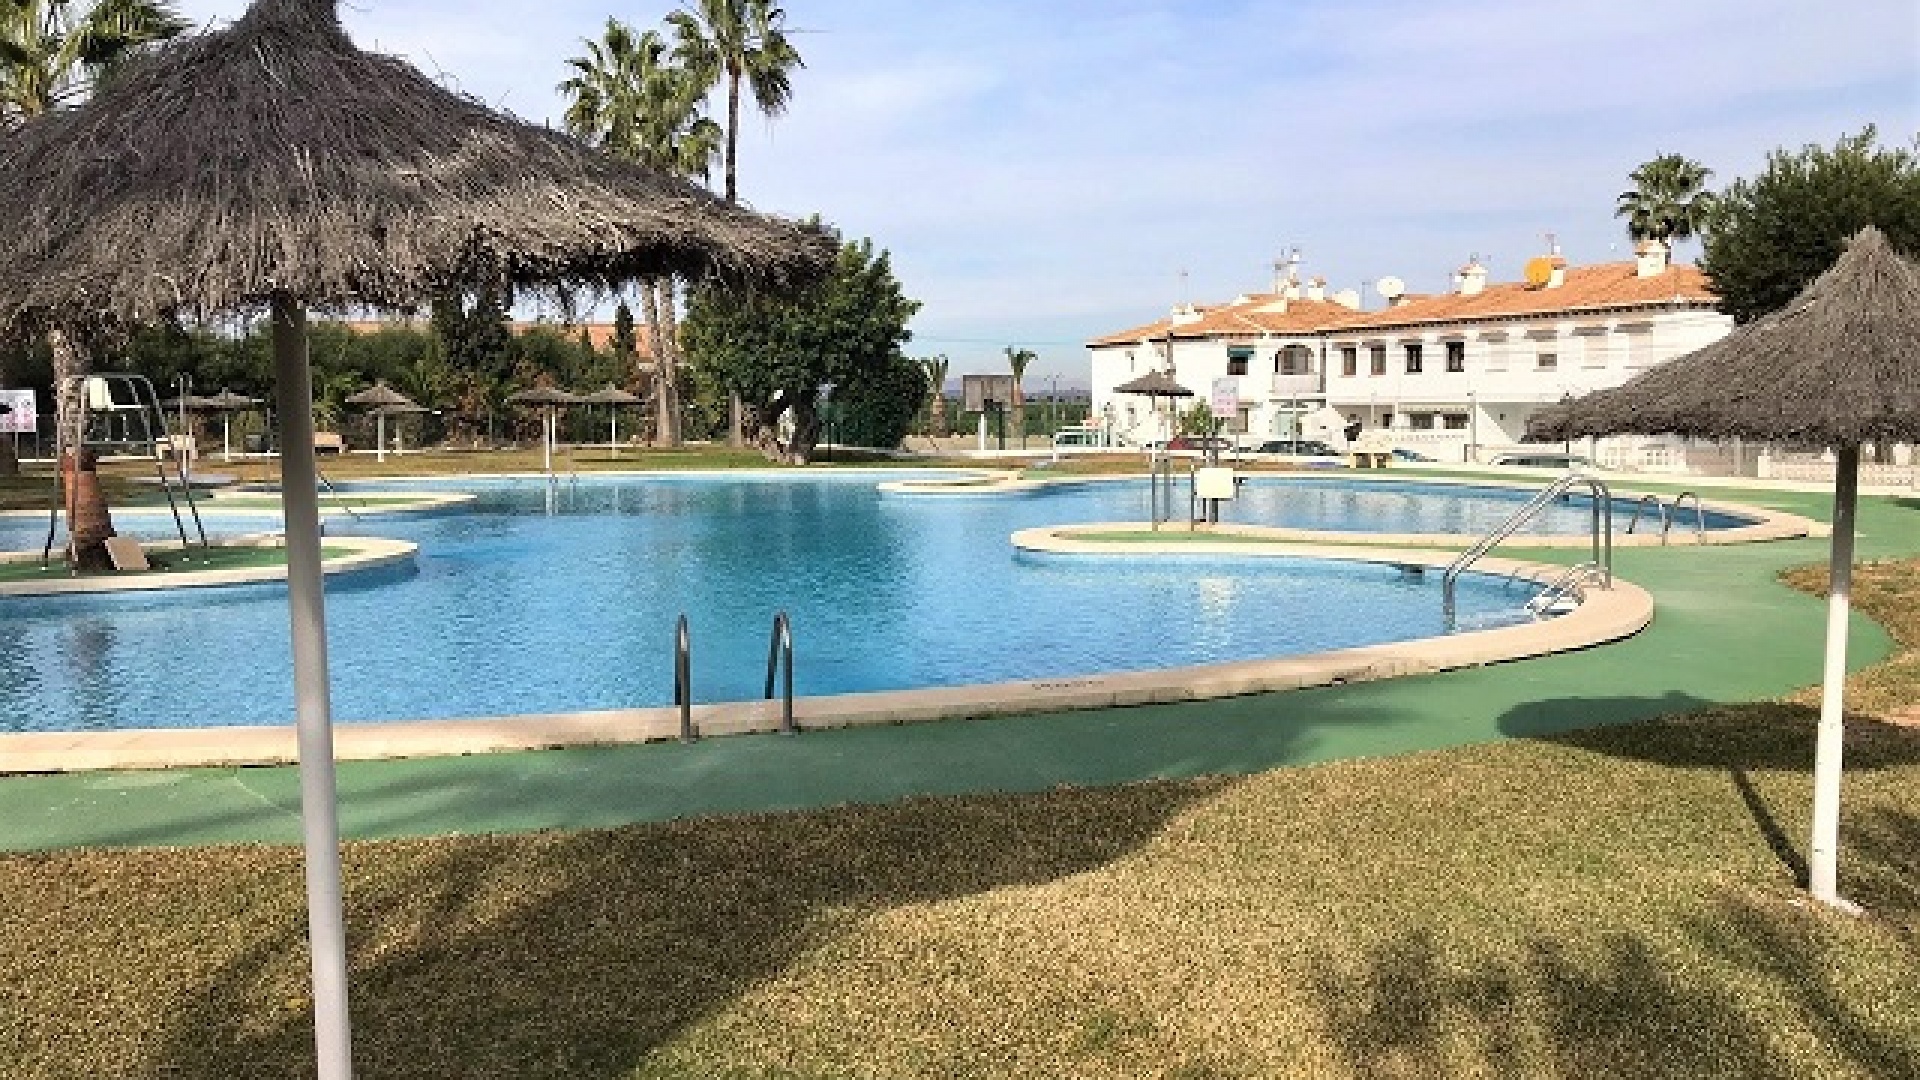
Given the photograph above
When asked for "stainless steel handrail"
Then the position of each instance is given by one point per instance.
(1602, 534)
(779, 653)
(683, 678)
(1660, 508)
(1567, 584)
(1699, 516)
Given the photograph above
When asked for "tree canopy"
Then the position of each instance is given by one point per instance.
(779, 353)
(1772, 234)
(1668, 201)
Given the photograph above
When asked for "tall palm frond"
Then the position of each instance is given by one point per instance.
(1668, 201)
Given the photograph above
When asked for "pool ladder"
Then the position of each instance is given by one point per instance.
(1598, 570)
(1668, 512)
(779, 661)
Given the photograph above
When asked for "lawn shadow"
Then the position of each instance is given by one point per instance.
(578, 954)
(1597, 1002)
(1751, 738)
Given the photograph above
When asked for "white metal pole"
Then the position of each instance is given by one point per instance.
(546, 443)
(380, 436)
(226, 436)
(306, 607)
(1823, 877)
(613, 428)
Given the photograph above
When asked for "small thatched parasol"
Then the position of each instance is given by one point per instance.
(381, 399)
(226, 403)
(1153, 386)
(1840, 365)
(613, 398)
(548, 398)
(272, 165)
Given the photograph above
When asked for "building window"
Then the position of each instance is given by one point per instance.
(1237, 359)
(1456, 356)
(1295, 360)
(1546, 361)
(1457, 421)
(1349, 360)
(1413, 358)
(1421, 421)
(1379, 359)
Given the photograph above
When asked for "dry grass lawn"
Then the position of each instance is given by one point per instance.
(1621, 902)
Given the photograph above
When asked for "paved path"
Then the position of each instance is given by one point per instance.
(1725, 630)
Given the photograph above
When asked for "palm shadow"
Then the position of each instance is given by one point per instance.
(578, 954)
(1601, 1002)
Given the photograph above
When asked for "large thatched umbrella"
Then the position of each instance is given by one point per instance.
(271, 165)
(226, 403)
(381, 398)
(1839, 365)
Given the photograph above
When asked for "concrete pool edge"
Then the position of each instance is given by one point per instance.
(1766, 524)
(1604, 616)
(364, 553)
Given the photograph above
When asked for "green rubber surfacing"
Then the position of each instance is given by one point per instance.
(1724, 630)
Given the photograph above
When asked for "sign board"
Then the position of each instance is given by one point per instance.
(977, 392)
(17, 412)
(1225, 400)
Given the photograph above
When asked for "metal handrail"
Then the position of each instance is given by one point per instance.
(1699, 516)
(1660, 508)
(1567, 584)
(779, 652)
(1602, 534)
(683, 678)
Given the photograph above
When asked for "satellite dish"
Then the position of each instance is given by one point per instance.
(1390, 287)
(1539, 271)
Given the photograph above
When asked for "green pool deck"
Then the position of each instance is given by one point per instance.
(1724, 630)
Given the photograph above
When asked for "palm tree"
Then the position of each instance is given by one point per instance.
(1669, 200)
(626, 97)
(52, 54)
(1018, 359)
(733, 41)
(935, 368)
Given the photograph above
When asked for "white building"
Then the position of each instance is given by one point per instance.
(1455, 375)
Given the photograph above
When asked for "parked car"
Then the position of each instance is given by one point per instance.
(1536, 460)
(1079, 437)
(1199, 442)
(1401, 453)
(1297, 448)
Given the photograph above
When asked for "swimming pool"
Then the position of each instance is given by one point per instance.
(547, 599)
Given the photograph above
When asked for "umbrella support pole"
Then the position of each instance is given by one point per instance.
(306, 605)
(1823, 849)
(380, 438)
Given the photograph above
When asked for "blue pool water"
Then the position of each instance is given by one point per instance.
(539, 599)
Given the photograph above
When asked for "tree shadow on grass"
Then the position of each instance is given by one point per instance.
(1748, 739)
(1705, 1000)
(577, 954)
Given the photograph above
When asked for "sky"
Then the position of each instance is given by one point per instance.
(1044, 172)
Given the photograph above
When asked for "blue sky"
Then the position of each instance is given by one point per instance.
(1047, 172)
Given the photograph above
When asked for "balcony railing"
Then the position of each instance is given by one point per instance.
(1284, 386)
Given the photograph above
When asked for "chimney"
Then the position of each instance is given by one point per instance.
(1558, 275)
(1650, 258)
(1317, 289)
(1472, 278)
(1348, 298)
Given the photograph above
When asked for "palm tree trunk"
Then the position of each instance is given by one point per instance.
(733, 126)
(658, 296)
(939, 416)
(89, 523)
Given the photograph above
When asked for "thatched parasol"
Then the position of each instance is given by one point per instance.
(380, 399)
(613, 398)
(1153, 386)
(272, 165)
(1840, 365)
(226, 403)
(548, 398)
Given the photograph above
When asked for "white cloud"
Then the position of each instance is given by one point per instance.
(1042, 172)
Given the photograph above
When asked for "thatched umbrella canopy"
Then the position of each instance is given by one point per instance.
(1839, 365)
(613, 398)
(381, 399)
(272, 165)
(1154, 384)
(226, 403)
(548, 398)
